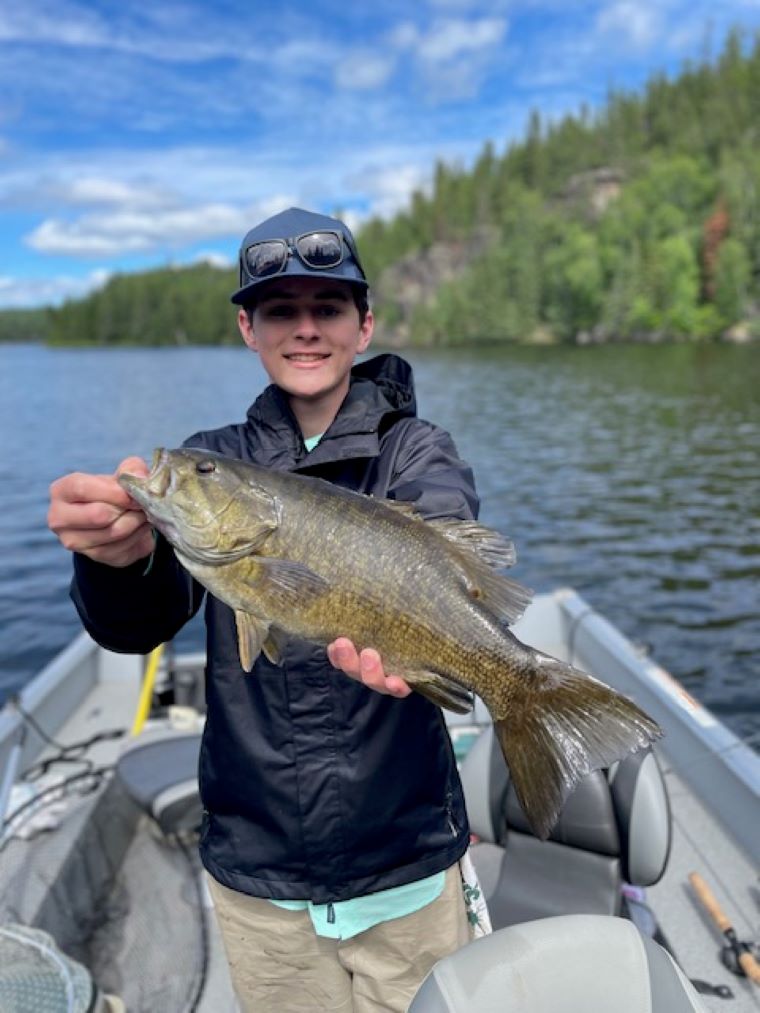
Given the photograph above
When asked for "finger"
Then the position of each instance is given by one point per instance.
(132, 466)
(343, 655)
(123, 529)
(372, 672)
(78, 539)
(397, 686)
(90, 516)
(129, 550)
(79, 487)
(374, 675)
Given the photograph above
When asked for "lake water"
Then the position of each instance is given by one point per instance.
(629, 473)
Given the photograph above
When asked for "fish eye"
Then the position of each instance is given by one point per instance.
(205, 467)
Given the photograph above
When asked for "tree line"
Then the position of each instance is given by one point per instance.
(639, 221)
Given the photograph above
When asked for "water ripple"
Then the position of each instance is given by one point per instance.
(629, 473)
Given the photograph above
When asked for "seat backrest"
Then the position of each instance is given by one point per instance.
(573, 963)
(614, 828)
(623, 812)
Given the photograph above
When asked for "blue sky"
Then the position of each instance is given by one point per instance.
(135, 135)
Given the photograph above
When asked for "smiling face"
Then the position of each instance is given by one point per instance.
(307, 332)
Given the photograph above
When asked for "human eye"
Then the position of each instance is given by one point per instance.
(328, 310)
(279, 311)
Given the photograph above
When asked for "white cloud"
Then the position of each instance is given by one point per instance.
(214, 258)
(451, 38)
(174, 36)
(629, 22)
(363, 70)
(388, 188)
(22, 293)
(452, 54)
(134, 231)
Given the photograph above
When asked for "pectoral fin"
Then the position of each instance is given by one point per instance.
(441, 691)
(284, 584)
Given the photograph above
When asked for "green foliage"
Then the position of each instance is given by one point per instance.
(171, 306)
(598, 225)
(574, 261)
(24, 325)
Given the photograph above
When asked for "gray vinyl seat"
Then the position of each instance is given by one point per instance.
(159, 771)
(565, 964)
(615, 828)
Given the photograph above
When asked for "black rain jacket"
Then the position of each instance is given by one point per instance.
(313, 786)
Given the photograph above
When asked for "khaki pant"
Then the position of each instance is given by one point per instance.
(278, 963)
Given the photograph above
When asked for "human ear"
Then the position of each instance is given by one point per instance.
(365, 332)
(246, 329)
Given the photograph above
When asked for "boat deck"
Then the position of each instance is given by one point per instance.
(108, 840)
(701, 845)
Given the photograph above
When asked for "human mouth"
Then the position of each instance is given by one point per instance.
(307, 357)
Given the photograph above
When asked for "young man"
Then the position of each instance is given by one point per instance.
(334, 821)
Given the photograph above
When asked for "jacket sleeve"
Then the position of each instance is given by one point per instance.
(134, 609)
(429, 473)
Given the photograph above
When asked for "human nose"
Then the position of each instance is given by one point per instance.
(307, 325)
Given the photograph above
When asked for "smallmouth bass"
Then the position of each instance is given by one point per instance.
(295, 556)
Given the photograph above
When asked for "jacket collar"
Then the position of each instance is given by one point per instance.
(381, 391)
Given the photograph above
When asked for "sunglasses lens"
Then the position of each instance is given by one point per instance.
(320, 249)
(265, 259)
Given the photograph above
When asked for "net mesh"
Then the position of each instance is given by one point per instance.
(35, 977)
(137, 923)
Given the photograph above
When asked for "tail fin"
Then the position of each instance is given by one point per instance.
(567, 725)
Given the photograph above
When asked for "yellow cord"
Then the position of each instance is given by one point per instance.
(146, 693)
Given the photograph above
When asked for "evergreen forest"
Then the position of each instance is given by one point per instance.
(639, 221)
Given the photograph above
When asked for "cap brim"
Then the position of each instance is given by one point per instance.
(243, 295)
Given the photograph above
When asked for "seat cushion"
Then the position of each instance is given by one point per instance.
(160, 772)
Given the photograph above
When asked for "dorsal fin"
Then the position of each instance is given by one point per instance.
(503, 598)
(481, 551)
(489, 545)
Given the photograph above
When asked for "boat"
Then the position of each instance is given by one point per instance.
(99, 812)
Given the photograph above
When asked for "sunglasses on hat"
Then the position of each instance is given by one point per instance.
(319, 251)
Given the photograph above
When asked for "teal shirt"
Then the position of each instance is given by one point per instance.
(347, 918)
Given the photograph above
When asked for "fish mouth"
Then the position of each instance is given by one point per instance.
(154, 485)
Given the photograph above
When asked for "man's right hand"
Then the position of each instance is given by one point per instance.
(93, 515)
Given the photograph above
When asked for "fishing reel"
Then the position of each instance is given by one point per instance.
(730, 954)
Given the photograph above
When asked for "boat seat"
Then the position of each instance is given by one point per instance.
(159, 770)
(573, 963)
(614, 829)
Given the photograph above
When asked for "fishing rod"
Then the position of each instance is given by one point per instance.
(736, 955)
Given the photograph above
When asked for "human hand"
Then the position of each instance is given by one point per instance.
(93, 515)
(366, 667)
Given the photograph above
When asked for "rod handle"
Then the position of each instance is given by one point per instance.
(709, 902)
(746, 960)
(750, 966)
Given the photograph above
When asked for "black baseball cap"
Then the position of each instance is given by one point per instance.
(288, 227)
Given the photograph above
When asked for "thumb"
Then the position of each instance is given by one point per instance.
(133, 466)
